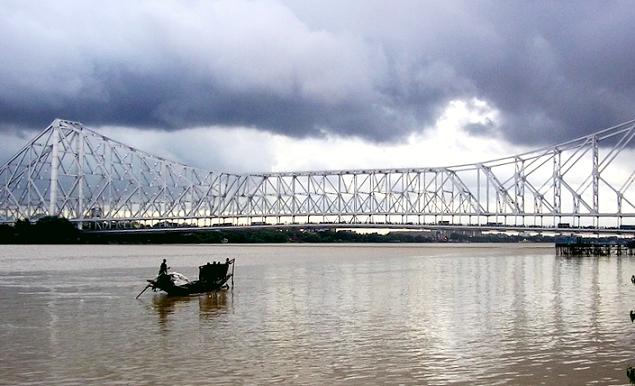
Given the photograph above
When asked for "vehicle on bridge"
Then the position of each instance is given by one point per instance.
(211, 277)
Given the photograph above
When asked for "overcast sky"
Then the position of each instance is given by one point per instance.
(280, 85)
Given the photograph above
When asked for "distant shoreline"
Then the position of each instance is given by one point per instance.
(53, 230)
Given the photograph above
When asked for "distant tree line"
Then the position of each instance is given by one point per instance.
(255, 236)
(56, 230)
(278, 236)
(46, 230)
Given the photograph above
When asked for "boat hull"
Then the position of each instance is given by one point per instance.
(211, 277)
(191, 288)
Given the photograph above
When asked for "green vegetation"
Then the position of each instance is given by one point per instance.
(47, 230)
(251, 236)
(54, 230)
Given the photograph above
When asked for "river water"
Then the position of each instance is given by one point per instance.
(317, 314)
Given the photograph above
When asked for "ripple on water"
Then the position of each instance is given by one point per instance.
(321, 315)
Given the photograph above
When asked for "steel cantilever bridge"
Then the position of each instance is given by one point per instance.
(98, 183)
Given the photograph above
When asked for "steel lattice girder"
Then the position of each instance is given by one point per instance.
(71, 171)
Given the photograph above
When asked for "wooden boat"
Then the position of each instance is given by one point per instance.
(211, 277)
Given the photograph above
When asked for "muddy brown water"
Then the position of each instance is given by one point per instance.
(317, 314)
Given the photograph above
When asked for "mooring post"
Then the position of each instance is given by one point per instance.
(233, 264)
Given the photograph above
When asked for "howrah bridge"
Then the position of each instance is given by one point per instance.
(69, 170)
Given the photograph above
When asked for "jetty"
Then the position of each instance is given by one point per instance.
(580, 246)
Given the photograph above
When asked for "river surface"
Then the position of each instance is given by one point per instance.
(317, 314)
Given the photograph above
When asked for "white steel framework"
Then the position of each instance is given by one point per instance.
(68, 170)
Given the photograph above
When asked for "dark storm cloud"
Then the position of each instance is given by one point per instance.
(562, 69)
(378, 70)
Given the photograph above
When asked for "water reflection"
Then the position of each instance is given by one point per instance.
(212, 303)
(208, 305)
(328, 315)
(165, 305)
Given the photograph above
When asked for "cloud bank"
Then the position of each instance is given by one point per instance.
(379, 71)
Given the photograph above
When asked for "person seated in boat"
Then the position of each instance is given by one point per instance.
(163, 270)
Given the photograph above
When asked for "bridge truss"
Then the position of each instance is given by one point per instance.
(71, 171)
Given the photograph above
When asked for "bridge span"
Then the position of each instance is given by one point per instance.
(583, 185)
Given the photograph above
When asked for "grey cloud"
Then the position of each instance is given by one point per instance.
(377, 70)
(484, 128)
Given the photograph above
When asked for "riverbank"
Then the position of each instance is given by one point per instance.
(51, 230)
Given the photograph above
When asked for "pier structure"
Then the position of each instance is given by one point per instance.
(579, 246)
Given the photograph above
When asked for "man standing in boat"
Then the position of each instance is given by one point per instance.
(163, 270)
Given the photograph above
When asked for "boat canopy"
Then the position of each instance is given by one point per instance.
(179, 279)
